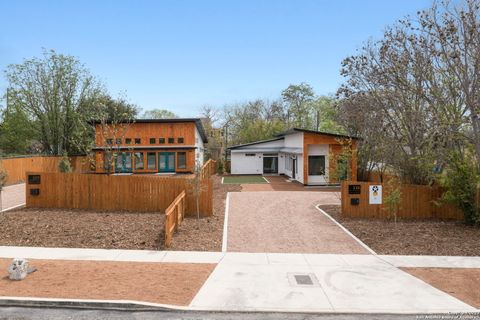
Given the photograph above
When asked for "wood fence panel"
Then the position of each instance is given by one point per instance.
(17, 167)
(111, 193)
(417, 202)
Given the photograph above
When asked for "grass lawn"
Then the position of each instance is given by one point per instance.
(244, 180)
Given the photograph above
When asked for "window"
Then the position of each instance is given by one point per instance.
(128, 141)
(171, 140)
(153, 140)
(118, 141)
(138, 160)
(151, 160)
(316, 165)
(182, 160)
(109, 141)
(250, 154)
(107, 161)
(180, 140)
(161, 140)
(138, 140)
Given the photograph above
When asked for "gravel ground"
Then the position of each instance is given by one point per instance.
(413, 237)
(285, 222)
(81, 229)
(461, 283)
(169, 283)
(205, 234)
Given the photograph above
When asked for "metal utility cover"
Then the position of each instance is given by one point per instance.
(303, 279)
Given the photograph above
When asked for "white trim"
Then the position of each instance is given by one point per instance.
(265, 179)
(345, 229)
(225, 224)
(13, 207)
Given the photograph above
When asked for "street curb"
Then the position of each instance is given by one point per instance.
(86, 304)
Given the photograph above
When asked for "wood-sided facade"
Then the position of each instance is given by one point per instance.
(149, 146)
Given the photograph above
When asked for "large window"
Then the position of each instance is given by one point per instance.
(316, 165)
(151, 160)
(182, 160)
(139, 161)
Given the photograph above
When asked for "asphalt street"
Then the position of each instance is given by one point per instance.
(21, 313)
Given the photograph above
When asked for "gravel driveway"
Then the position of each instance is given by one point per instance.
(286, 222)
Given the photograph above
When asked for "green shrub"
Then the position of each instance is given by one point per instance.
(393, 197)
(64, 165)
(461, 182)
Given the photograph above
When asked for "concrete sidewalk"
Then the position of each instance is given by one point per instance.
(267, 282)
(13, 196)
(340, 283)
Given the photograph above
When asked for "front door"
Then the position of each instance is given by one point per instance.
(166, 161)
(123, 162)
(270, 165)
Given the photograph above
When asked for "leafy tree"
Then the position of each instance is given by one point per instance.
(17, 131)
(325, 114)
(54, 91)
(298, 99)
(159, 114)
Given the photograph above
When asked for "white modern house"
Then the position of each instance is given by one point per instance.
(303, 155)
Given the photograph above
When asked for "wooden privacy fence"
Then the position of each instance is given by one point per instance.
(209, 169)
(174, 217)
(113, 193)
(17, 167)
(417, 201)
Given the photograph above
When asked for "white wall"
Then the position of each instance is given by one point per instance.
(319, 150)
(200, 150)
(294, 140)
(299, 169)
(241, 164)
(281, 163)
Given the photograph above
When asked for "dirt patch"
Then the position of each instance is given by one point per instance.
(81, 229)
(461, 283)
(205, 234)
(168, 283)
(413, 237)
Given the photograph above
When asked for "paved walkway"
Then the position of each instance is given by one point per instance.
(13, 196)
(266, 281)
(286, 222)
(281, 183)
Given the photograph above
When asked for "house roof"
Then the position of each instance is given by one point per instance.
(197, 121)
(254, 143)
(294, 130)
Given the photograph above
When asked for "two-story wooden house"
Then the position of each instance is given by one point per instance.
(149, 146)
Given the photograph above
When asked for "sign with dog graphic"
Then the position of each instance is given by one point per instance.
(375, 194)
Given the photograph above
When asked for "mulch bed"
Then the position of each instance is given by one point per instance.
(113, 230)
(167, 283)
(413, 237)
(459, 282)
(205, 234)
(81, 229)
